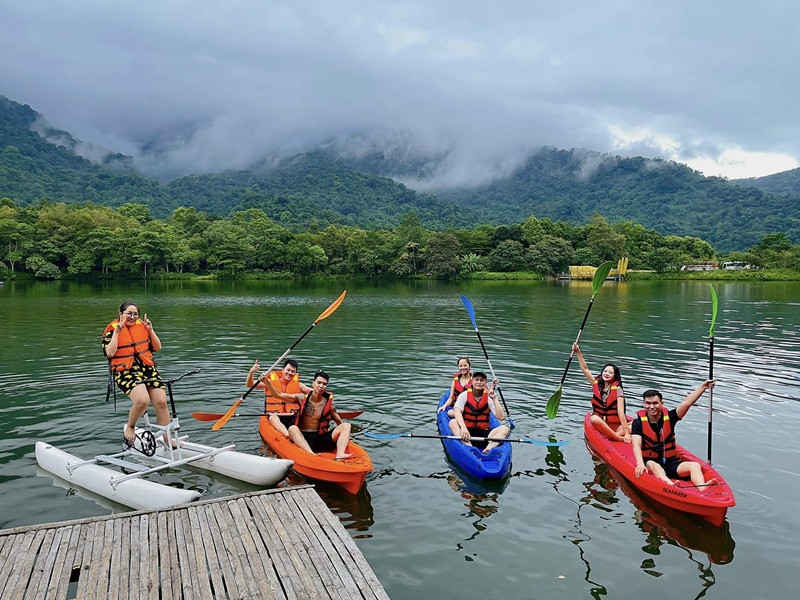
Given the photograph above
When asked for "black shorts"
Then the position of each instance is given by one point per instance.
(319, 442)
(287, 420)
(671, 468)
(474, 432)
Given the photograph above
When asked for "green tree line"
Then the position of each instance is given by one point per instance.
(49, 240)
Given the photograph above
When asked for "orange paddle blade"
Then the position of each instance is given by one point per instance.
(227, 416)
(329, 311)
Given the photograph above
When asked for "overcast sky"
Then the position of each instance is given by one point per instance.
(188, 85)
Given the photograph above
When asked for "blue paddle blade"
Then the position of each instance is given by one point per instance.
(548, 444)
(386, 436)
(470, 310)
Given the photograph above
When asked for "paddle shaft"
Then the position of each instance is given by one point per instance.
(491, 368)
(202, 416)
(577, 339)
(710, 393)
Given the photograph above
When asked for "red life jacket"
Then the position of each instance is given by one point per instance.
(132, 341)
(658, 446)
(476, 411)
(292, 387)
(608, 410)
(457, 387)
(325, 417)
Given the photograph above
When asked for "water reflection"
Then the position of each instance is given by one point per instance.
(661, 526)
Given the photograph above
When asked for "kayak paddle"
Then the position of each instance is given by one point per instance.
(393, 436)
(471, 312)
(326, 313)
(714, 304)
(597, 282)
(205, 416)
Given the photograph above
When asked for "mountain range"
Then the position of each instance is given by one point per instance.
(332, 184)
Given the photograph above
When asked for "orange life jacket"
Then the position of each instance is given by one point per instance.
(132, 341)
(476, 411)
(457, 387)
(290, 387)
(325, 417)
(658, 446)
(608, 410)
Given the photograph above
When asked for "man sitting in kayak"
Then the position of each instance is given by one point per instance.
(654, 445)
(311, 427)
(287, 381)
(471, 413)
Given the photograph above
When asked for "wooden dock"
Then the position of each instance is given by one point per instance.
(280, 543)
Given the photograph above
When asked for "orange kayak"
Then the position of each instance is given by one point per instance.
(711, 503)
(349, 473)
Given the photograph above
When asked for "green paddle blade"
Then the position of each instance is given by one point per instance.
(552, 404)
(600, 276)
(714, 304)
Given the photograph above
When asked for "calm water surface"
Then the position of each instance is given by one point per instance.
(559, 527)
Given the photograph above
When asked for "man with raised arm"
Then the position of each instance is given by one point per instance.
(311, 428)
(653, 435)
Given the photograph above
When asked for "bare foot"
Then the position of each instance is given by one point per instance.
(129, 434)
(344, 457)
(712, 481)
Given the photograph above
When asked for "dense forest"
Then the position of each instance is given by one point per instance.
(787, 183)
(49, 240)
(317, 189)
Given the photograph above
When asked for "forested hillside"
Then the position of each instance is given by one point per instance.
(327, 186)
(787, 183)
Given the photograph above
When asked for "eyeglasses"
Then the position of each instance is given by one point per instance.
(131, 315)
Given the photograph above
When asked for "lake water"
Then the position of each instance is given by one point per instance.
(559, 527)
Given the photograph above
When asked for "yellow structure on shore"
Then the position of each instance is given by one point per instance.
(587, 272)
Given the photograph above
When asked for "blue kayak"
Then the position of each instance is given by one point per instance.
(494, 465)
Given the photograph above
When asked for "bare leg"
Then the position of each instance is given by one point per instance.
(694, 471)
(498, 432)
(658, 471)
(140, 399)
(456, 430)
(276, 423)
(341, 435)
(298, 439)
(605, 429)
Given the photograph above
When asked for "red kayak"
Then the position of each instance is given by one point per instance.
(711, 502)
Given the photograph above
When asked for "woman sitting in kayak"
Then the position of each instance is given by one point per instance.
(608, 400)
(462, 380)
(129, 343)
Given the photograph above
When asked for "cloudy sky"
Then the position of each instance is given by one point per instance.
(190, 85)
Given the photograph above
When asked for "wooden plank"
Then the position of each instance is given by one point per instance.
(148, 567)
(103, 558)
(215, 572)
(197, 556)
(87, 567)
(333, 524)
(43, 567)
(5, 551)
(327, 577)
(65, 560)
(242, 572)
(222, 553)
(159, 537)
(122, 549)
(268, 584)
(323, 549)
(135, 557)
(172, 555)
(24, 552)
(298, 568)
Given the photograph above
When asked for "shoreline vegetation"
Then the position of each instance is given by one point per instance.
(55, 240)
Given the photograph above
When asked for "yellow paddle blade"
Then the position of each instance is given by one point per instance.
(329, 311)
(227, 416)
